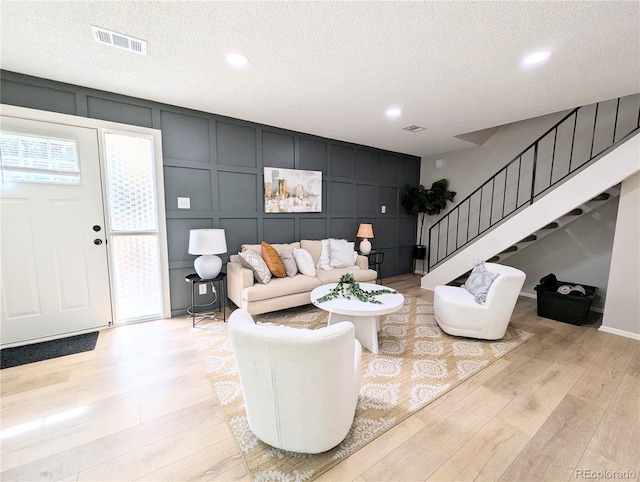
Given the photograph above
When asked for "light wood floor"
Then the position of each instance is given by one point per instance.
(563, 406)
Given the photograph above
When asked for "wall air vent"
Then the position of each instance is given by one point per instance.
(413, 128)
(119, 40)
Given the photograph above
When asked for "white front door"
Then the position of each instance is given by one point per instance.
(52, 234)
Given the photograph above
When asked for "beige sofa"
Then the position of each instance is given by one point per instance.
(281, 293)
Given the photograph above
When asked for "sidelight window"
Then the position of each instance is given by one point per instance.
(134, 226)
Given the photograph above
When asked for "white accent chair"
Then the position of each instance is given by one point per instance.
(458, 313)
(300, 386)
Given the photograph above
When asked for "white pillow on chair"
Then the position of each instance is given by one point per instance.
(479, 282)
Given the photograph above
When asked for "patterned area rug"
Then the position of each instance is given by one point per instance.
(417, 363)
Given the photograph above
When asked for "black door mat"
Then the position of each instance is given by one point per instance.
(21, 355)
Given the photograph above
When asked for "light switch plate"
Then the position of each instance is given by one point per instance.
(384, 209)
(184, 203)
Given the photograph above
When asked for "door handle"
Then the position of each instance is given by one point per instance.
(96, 228)
(97, 242)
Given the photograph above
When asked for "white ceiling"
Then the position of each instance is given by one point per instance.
(333, 68)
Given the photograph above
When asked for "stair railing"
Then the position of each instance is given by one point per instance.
(582, 136)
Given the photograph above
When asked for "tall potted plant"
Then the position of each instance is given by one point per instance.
(421, 201)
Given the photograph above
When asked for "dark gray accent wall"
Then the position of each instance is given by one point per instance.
(218, 162)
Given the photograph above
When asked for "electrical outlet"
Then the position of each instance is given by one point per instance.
(184, 203)
(202, 288)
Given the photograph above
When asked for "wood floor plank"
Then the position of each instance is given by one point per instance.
(180, 400)
(236, 473)
(443, 403)
(98, 409)
(35, 407)
(112, 388)
(600, 381)
(77, 459)
(24, 384)
(486, 455)
(71, 436)
(634, 367)
(370, 454)
(434, 444)
(585, 348)
(70, 478)
(156, 455)
(618, 435)
(530, 409)
(515, 378)
(202, 465)
(555, 450)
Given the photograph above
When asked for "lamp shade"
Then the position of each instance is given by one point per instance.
(365, 231)
(207, 241)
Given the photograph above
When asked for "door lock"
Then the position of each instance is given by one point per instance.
(97, 242)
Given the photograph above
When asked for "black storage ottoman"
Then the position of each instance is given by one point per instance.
(567, 308)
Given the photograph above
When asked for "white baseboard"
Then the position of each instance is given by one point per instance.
(615, 331)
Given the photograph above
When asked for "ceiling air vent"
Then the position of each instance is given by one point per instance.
(413, 128)
(119, 40)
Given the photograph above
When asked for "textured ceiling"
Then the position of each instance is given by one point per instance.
(333, 68)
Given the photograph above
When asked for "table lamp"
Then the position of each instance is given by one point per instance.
(207, 243)
(365, 231)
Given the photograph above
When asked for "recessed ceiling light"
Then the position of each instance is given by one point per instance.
(237, 61)
(393, 112)
(536, 57)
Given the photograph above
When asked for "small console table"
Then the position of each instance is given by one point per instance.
(221, 293)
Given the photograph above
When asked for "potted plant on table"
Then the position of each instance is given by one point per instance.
(421, 201)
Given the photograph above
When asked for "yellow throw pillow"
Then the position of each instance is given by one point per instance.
(272, 258)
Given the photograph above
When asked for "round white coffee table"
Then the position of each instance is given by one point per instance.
(364, 316)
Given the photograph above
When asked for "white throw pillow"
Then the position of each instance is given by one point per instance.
(304, 261)
(479, 282)
(255, 263)
(324, 260)
(341, 253)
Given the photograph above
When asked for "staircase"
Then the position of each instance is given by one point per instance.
(574, 167)
(561, 222)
